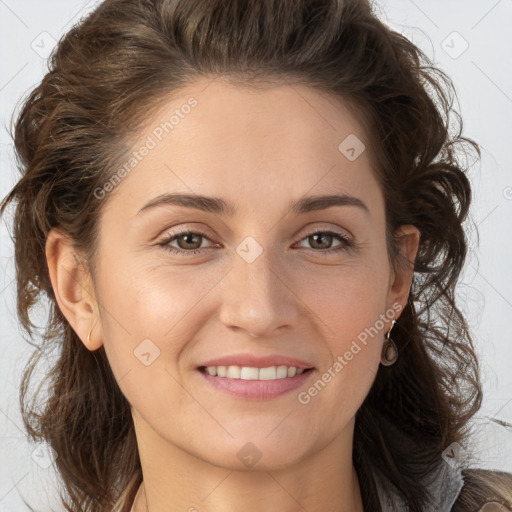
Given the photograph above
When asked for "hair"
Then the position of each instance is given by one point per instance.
(74, 129)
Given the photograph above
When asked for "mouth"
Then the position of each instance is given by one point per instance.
(254, 383)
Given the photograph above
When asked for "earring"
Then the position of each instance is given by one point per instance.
(389, 351)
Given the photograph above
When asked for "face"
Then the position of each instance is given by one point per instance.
(261, 280)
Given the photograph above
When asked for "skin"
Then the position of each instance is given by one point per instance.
(260, 150)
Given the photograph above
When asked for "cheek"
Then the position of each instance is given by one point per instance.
(151, 302)
(348, 299)
(149, 316)
(351, 318)
(352, 329)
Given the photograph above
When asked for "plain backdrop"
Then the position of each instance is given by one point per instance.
(471, 41)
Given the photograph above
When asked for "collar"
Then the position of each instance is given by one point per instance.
(443, 485)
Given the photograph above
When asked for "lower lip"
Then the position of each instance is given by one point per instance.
(257, 389)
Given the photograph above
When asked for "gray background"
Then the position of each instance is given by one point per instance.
(471, 41)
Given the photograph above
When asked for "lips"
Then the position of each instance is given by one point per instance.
(236, 375)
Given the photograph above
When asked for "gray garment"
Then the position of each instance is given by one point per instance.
(443, 485)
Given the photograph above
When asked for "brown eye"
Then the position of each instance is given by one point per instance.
(323, 241)
(189, 241)
(184, 243)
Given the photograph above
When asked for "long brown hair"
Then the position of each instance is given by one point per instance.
(74, 129)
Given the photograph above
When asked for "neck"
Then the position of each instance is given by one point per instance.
(177, 480)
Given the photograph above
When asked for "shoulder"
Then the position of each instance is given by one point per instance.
(483, 487)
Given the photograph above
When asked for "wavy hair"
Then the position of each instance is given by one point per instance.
(118, 64)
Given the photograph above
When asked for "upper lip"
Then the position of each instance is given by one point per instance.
(257, 361)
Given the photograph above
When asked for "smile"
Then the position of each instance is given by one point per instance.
(252, 383)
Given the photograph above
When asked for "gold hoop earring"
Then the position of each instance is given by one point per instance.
(389, 353)
(89, 337)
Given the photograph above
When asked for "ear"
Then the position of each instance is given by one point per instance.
(408, 239)
(73, 288)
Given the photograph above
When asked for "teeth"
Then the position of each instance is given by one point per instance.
(233, 372)
(268, 373)
(282, 372)
(248, 373)
(252, 373)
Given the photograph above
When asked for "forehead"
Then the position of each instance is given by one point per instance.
(250, 143)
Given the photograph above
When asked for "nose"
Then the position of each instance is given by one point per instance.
(258, 298)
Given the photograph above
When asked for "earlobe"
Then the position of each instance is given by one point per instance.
(73, 289)
(408, 238)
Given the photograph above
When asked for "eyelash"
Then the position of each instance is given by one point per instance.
(345, 245)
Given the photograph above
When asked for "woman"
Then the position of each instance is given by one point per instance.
(248, 220)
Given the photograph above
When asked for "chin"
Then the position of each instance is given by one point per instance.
(262, 454)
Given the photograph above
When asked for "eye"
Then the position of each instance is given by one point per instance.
(323, 240)
(189, 242)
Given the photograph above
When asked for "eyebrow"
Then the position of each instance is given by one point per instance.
(219, 206)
